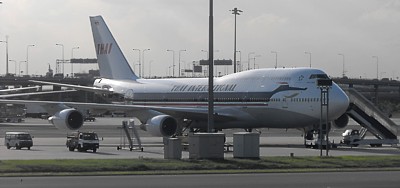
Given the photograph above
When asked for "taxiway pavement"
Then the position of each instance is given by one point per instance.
(49, 143)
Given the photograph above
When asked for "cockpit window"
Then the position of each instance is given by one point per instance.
(319, 76)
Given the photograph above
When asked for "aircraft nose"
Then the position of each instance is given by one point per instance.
(339, 102)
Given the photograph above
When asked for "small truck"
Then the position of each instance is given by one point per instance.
(353, 138)
(83, 141)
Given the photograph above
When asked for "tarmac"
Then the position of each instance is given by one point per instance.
(49, 143)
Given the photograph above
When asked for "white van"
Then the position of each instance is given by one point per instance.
(18, 140)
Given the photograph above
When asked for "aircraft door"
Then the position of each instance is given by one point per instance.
(285, 102)
(245, 100)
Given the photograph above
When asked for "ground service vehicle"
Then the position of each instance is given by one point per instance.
(351, 137)
(83, 141)
(355, 138)
(18, 140)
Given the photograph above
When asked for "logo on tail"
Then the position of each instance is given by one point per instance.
(104, 48)
(112, 62)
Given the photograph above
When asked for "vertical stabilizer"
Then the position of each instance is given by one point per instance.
(111, 60)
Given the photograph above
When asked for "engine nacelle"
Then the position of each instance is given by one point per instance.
(162, 125)
(68, 119)
(342, 121)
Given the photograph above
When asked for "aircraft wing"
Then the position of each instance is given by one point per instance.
(33, 93)
(77, 87)
(178, 112)
(195, 113)
(6, 91)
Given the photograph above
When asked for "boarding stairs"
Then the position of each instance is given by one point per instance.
(370, 117)
(363, 132)
(127, 130)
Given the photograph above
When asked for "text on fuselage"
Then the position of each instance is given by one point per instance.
(202, 88)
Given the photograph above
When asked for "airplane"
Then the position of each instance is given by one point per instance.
(32, 90)
(15, 90)
(19, 92)
(260, 98)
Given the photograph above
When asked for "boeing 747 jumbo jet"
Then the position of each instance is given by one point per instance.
(16, 90)
(262, 98)
(34, 90)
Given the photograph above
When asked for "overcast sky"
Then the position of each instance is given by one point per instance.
(358, 29)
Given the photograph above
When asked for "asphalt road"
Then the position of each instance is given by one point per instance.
(289, 180)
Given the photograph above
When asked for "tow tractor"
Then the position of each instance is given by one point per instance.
(314, 141)
(354, 138)
(83, 141)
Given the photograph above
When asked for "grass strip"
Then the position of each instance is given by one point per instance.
(187, 166)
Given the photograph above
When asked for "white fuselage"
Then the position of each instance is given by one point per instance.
(273, 98)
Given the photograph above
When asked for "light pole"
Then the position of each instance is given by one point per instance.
(144, 61)
(173, 62)
(169, 70)
(240, 60)
(235, 12)
(15, 66)
(19, 68)
(150, 68)
(309, 53)
(6, 41)
(240, 65)
(276, 58)
(344, 73)
(72, 56)
(206, 59)
(248, 60)
(27, 57)
(210, 114)
(140, 69)
(254, 59)
(194, 63)
(377, 66)
(62, 57)
(179, 62)
(136, 65)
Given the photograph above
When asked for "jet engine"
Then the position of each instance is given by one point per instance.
(68, 119)
(161, 125)
(342, 121)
